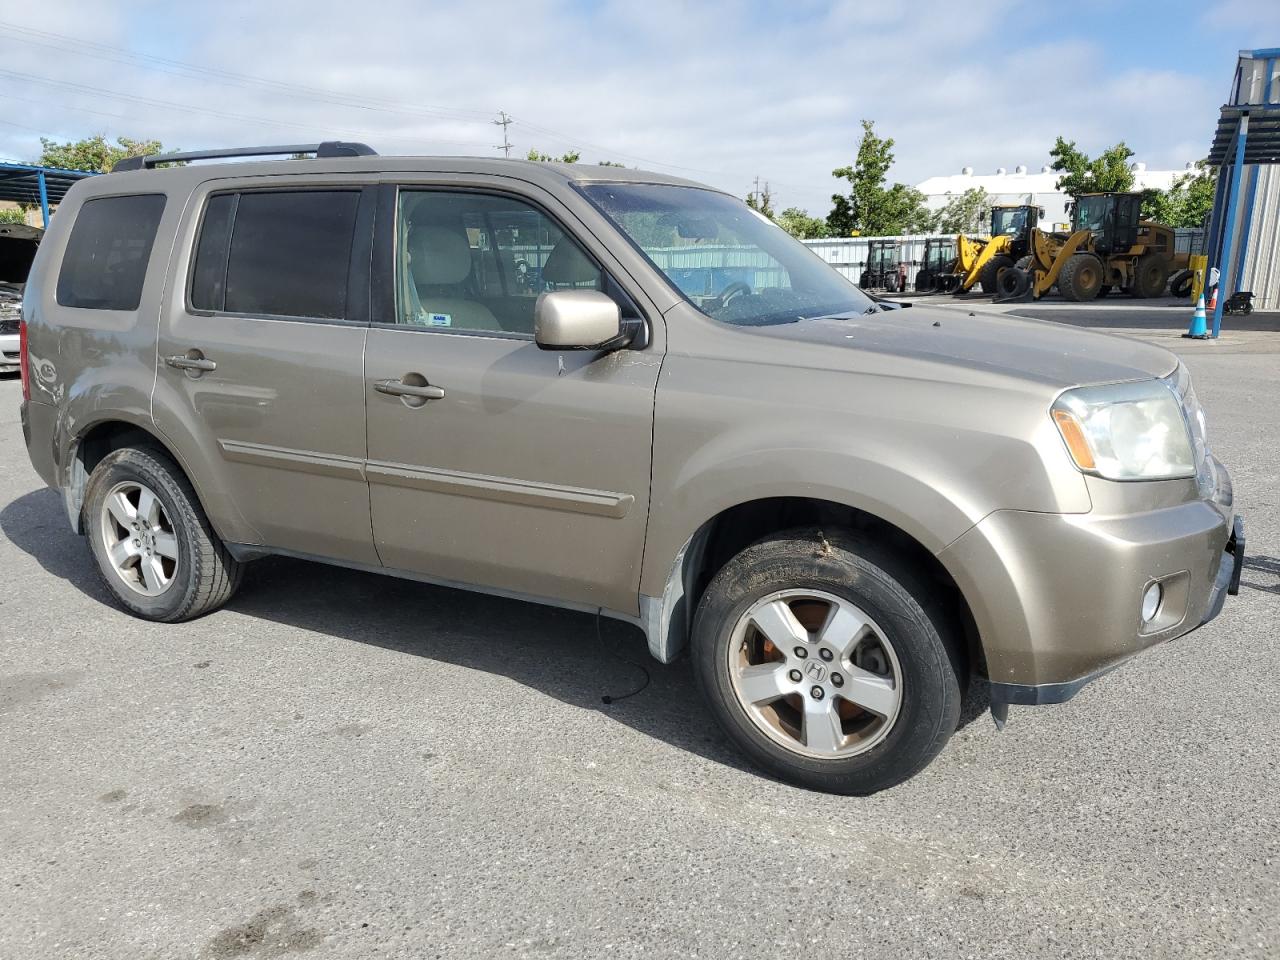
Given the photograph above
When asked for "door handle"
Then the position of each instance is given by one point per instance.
(184, 362)
(398, 388)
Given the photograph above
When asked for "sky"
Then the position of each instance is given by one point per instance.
(719, 92)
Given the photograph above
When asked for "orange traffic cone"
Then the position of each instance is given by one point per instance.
(1213, 297)
(1199, 327)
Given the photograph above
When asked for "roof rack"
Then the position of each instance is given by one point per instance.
(329, 148)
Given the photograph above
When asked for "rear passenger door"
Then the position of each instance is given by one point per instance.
(260, 369)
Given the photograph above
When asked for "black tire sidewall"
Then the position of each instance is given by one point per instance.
(145, 467)
(1014, 282)
(989, 276)
(930, 668)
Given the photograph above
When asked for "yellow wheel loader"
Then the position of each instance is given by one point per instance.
(981, 261)
(1109, 248)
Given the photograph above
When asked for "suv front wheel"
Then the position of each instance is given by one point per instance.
(828, 662)
(152, 542)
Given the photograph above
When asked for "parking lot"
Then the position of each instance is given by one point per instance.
(345, 765)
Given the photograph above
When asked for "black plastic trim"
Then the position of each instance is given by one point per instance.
(325, 149)
(1036, 694)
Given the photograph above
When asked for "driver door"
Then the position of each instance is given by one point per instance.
(510, 468)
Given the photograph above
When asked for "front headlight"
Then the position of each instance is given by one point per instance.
(1126, 431)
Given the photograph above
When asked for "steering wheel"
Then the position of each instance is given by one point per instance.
(735, 289)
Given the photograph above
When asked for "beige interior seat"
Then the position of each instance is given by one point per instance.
(440, 262)
(567, 264)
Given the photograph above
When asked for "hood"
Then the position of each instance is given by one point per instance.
(1038, 350)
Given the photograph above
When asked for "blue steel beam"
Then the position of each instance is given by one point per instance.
(44, 199)
(1233, 197)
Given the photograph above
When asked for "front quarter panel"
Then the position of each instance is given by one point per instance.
(926, 447)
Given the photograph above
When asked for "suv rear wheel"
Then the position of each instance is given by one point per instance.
(151, 539)
(827, 662)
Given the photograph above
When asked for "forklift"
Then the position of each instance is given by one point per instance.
(937, 268)
(884, 267)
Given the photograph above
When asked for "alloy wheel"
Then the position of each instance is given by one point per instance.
(138, 537)
(815, 673)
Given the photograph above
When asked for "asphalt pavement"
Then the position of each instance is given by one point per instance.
(345, 765)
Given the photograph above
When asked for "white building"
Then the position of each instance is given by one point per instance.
(1021, 186)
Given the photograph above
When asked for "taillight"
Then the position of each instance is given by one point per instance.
(24, 360)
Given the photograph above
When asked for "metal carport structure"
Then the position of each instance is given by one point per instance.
(31, 185)
(1248, 136)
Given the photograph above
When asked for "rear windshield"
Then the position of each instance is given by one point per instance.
(107, 253)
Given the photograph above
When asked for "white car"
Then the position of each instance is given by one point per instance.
(9, 345)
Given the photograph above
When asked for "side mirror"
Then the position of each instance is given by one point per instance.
(578, 320)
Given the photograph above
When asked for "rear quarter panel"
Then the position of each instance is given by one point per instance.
(94, 366)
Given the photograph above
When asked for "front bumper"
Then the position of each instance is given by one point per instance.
(1057, 598)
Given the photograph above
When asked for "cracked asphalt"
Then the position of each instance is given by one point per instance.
(344, 765)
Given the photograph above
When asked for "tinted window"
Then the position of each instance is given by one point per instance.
(289, 253)
(471, 261)
(106, 258)
(209, 279)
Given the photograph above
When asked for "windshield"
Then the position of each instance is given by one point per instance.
(729, 261)
(1008, 222)
(883, 256)
(1091, 213)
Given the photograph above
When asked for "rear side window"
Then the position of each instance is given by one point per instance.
(276, 253)
(107, 253)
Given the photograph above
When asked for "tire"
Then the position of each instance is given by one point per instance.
(201, 574)
(919, 664)
(1013, 283)
(1081, 277)
(924, 281)
(989, 275)
(1024, 263)
(891, 283)
(864, 281)
(1150, 274)
(1181, 283)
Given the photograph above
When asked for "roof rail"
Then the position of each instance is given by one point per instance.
(329, 148)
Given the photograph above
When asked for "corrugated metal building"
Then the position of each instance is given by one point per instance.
(1244, 237)
(1259, 270)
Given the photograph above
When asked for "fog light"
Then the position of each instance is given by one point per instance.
(1151, 603)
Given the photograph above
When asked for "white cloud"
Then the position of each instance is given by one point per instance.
(720, 92)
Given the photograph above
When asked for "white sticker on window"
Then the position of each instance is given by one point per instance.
(439, 320)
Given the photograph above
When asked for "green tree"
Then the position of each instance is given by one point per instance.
(94, 153)
(870, 208)
(1107, 173)
(800, 225)
(569, 156)
(13, 215)
(761, 200)
(1187, 201)
(609, 163)
(968, 213)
